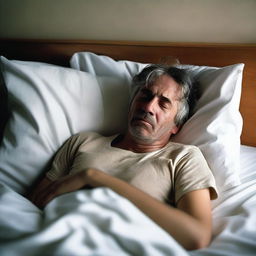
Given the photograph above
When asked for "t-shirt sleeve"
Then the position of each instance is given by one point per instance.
(64, 158)
(193, 173)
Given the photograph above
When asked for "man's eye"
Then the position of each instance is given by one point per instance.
(145, 96)
(163, 105)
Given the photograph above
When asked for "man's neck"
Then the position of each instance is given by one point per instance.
(136, 145)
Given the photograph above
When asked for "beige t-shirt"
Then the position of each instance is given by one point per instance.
(166, 174)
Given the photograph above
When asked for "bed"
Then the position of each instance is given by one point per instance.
(52, 89)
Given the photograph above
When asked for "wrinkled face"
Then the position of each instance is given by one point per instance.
(153, 109)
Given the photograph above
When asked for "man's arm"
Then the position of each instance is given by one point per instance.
(189, 223)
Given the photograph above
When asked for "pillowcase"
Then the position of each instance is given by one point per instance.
(47, 105)
(216, 125)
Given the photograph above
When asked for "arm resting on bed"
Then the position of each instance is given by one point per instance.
(189, 223)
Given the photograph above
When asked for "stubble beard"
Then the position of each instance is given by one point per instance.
(138, 133)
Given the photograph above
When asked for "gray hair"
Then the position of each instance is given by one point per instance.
(188, 91)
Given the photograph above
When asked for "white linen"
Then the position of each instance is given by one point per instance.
(48, 104)
(234, 218)
(92, 222)
(100, 222)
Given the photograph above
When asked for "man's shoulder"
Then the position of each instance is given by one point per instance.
(182, 146)
(89, 136)
(179, 148)
(83, 136)
(180, 152)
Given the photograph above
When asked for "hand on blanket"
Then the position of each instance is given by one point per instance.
(48, 190)
(189, 223)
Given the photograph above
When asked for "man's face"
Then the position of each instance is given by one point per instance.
(152, 112)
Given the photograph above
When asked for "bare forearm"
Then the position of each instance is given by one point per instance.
(47, 189)
(184, 228)
(188, 229)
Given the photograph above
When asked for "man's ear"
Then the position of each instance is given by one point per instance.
(175, 129)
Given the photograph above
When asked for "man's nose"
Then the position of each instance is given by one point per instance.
(150, 106)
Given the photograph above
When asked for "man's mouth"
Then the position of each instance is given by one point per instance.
(142, 120)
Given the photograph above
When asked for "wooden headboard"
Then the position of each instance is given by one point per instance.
(59, 52)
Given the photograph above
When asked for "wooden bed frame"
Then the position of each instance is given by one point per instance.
(59, 52)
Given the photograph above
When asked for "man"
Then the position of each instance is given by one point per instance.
(169, 182)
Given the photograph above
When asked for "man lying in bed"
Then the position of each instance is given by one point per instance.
(169, 182)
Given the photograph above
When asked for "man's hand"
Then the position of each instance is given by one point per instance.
(189, 223)
(51, 189)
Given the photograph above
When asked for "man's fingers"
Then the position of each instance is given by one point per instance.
(64, 185)
(46, 196)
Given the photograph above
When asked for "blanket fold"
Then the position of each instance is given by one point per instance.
(85, 222)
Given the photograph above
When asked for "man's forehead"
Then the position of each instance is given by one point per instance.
(170, 91)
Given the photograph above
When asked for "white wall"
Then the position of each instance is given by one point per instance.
(226, 21)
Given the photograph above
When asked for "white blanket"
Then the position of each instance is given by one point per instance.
(89, 222)
(234, 214)
(99, 222)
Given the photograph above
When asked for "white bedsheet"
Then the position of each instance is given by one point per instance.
(234, 214)
(100, 222)
(92, 222)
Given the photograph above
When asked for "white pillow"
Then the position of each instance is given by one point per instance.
(216, 125)
(48, 104)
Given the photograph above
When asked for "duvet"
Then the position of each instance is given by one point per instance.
(86, 222)
(100, 222)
